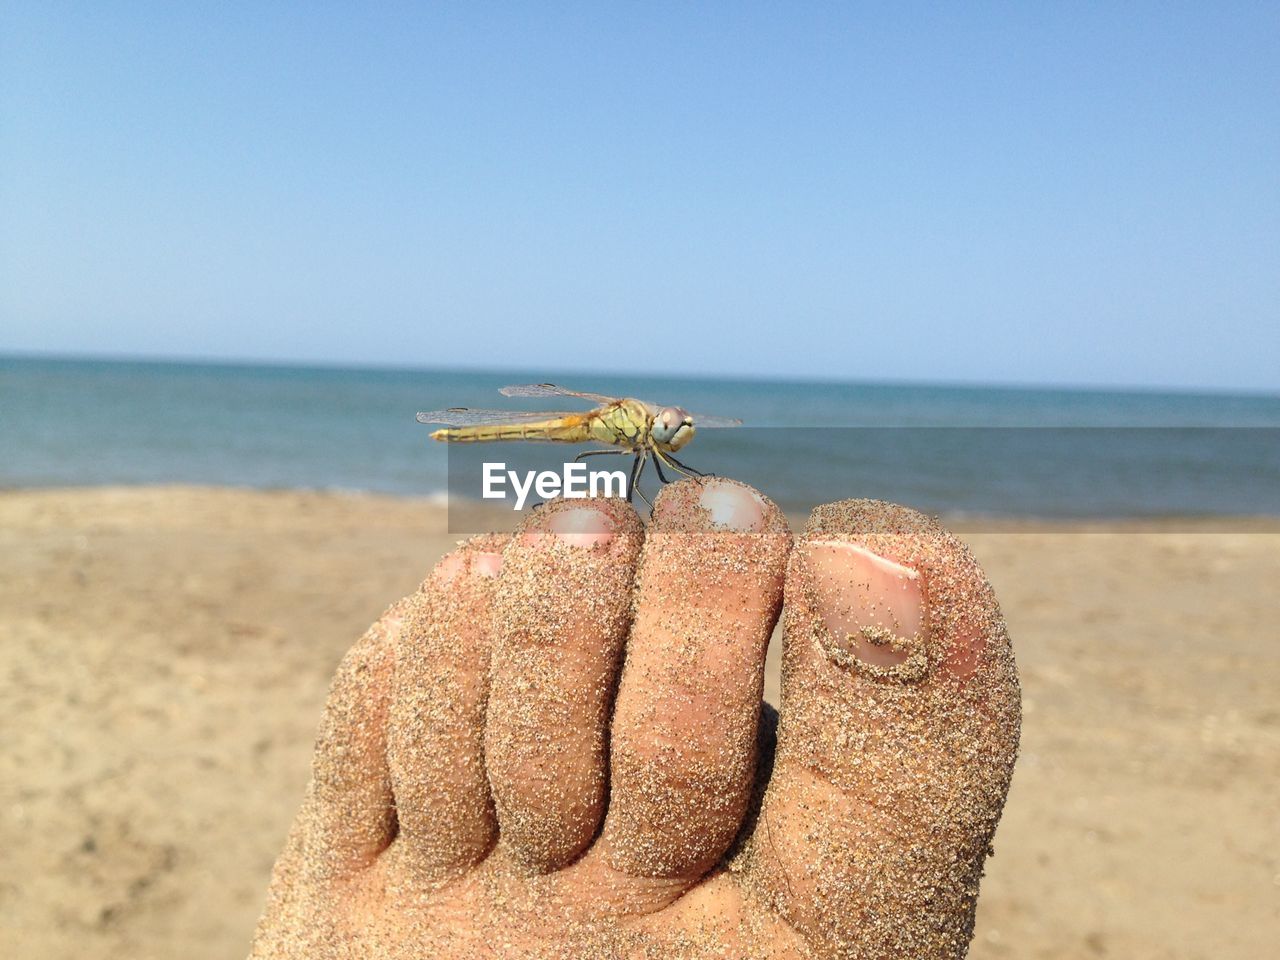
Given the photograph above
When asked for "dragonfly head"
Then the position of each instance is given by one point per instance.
(672, 428)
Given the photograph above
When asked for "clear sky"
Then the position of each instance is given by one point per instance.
(1030, 193)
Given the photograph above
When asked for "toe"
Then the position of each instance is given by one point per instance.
(442, 678)
(684, 728)
(561, 613)
(349, 818)
(898, 730)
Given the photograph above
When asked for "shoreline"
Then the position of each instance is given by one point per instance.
(503, 518)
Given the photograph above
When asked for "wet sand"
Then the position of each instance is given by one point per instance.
(166, 652)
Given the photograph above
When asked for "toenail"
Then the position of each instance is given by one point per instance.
(872, 608)
(582, 526)
(486, 564)
(452, 565)
(732, 506)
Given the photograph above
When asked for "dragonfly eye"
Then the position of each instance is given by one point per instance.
(673, 427)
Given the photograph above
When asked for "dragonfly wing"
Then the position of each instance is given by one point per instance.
(700, 421)
(551, 390)
(468, 417)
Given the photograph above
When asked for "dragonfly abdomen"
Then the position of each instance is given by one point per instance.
(566, 430)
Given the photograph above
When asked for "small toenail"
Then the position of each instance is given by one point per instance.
(582, 527)
(452, 565)
(732, 506)
(872, 608)
(486, 564)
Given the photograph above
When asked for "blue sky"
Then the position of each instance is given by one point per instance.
(1027, 193)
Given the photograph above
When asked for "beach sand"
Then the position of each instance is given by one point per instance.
(166, 652)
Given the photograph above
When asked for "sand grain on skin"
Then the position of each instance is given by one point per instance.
(922, 758)
(685, 727)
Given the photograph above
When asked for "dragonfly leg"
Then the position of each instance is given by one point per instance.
(578, 459)
(636, 469)
(675, 464)
(657, 465)
(610, 453)
(631, 482)
(599, 453)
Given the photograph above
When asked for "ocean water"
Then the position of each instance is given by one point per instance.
(944, 449)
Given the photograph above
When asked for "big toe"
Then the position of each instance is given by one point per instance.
(897, 735)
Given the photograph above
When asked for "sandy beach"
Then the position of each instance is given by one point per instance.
(166, 651)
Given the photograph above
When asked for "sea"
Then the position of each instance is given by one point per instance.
(946, 449)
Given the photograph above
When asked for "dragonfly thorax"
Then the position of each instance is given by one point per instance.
(623, 423)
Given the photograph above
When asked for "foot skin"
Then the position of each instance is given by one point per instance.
(556, 748)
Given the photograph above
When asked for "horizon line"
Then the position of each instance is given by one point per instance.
(391, 366)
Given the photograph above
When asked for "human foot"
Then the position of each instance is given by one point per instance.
(494, 778)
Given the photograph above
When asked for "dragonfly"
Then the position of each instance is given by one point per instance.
(647, 431)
